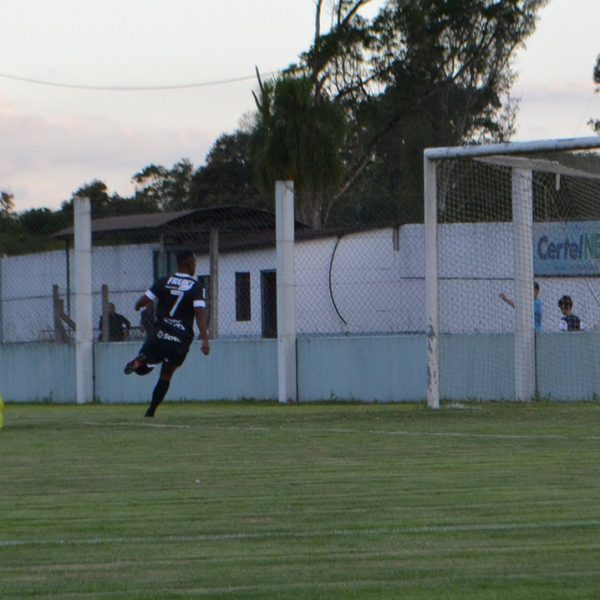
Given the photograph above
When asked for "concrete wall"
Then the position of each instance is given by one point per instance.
(367, 368)
(362, 283)
(37, 372)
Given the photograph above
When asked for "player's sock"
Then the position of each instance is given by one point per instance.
(158, 395)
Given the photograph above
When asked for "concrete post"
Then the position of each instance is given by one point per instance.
(84, 334)
(286, 292)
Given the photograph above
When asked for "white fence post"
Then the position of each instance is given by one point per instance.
(431, 284)
(84, 334)
(286, 292)
(524, 340)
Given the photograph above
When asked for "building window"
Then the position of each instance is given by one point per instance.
(242, 296)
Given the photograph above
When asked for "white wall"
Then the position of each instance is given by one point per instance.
(377, 284)
(27, 280)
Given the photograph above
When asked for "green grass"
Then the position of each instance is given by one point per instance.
(337, 501)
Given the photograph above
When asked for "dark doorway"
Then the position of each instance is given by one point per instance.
(268, 286)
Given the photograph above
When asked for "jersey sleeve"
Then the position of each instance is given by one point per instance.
(153, 293)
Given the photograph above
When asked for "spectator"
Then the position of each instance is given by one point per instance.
(118, 325)
(569, 321)
(537, 306)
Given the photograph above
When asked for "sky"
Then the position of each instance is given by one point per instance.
(54, 139)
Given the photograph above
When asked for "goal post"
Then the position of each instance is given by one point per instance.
(482, 206)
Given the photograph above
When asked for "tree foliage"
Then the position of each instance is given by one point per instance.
(595, 123)
(167, 189)
(228, 176)
(299, 135)
(347, 122)
(421, 73)
(7, 204)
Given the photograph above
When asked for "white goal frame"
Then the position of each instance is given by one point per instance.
(524, 342)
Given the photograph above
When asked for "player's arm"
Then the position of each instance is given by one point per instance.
(149, 297)
(200, 314)
(506, 299)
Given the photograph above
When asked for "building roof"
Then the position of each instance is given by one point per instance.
(239, 227)
(179, 225)
(125, 223)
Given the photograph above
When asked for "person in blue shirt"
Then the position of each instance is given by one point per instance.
(537, 306)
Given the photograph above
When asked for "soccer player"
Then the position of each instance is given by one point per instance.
(179, 301)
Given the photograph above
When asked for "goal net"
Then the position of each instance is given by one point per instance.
(510, 230)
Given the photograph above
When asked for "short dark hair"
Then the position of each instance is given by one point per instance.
(565, 302)
(183, 256)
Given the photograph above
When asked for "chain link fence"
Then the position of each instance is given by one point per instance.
(356, 281)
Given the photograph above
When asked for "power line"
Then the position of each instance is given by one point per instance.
(133, 88)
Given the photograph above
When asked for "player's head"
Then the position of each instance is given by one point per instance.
(186, 261)
(565, 303)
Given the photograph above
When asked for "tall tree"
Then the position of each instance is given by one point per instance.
(299, 135)
(7, 204)
(424, 72)
(228, 175)
(168, 189)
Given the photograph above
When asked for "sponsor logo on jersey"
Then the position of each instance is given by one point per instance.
(163, 335)
(174, 323)
(180, 283)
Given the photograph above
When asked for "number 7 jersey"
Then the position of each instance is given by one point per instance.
(177, 297)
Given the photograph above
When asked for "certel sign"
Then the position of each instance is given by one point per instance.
(566, 248)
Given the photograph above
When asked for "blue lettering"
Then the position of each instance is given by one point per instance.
(596, 245)
(573, 251)
(587, 246)
(559, 248)
(542, 247)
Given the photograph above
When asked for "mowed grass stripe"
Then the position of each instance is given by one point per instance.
(440, 529)
(261, 500)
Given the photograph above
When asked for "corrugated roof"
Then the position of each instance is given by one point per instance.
(223, 218)
(127, 223)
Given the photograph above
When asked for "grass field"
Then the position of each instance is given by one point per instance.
(340, 501)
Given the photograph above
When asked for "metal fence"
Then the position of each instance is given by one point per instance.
(347, 281)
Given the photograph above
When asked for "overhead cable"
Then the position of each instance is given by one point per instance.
(131, 88)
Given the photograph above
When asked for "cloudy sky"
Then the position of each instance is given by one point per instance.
(53, 139)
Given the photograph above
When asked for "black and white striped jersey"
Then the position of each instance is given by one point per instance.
(571, 323)
(177, 297)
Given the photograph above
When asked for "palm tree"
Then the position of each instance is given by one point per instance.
(299, 135)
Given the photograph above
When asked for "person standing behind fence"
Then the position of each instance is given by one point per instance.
(118, 325)
(537, 306)
(569, 321)
(179, 301)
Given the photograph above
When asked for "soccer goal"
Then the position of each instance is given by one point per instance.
(510, 229)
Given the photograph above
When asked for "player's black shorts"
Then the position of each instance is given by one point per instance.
(163, 346)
